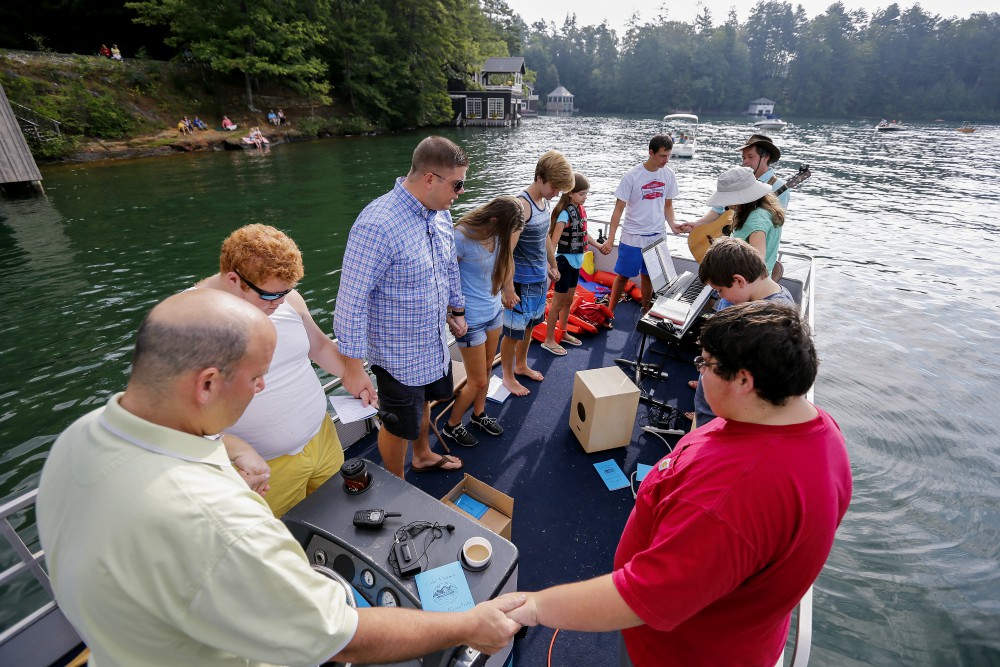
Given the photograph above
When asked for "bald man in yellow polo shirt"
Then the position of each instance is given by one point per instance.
(160, 554)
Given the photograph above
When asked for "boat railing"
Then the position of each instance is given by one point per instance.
(42, 636)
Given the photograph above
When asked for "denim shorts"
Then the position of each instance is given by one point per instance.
(630, 261)
(406, 403)
(526, 314)
(568, 276)
(476, 335)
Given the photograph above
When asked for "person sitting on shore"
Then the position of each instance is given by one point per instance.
(104, 51)
(227, 124)
(199, 123)
(272, 117)
(115, 53)
(182, 126)
(286, 424)
(281, 118)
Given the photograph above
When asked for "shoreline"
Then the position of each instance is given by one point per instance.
(171, 142)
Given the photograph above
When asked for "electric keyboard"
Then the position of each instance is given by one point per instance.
(675, 304)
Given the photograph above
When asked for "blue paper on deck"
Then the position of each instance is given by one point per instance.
(470, 505)
(640, 471)
(444, 588)
(612, 474)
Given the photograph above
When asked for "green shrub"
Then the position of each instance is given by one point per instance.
(106, 119)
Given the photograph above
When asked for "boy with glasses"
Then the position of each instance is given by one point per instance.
(732, 527)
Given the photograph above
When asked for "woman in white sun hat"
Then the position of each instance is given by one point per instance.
(757, 214)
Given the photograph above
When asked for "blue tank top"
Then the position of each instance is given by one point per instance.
(530, 260)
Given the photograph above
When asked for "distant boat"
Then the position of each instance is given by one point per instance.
(683, 127)
(966, 128)
(889, 126)
(772, 124)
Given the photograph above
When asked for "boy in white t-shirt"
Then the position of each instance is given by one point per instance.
(645, 195)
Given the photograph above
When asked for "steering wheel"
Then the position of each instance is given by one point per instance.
(348, 592)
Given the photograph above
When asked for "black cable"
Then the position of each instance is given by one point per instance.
(411, 531)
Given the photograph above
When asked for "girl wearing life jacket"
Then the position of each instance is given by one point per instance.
(568, 232)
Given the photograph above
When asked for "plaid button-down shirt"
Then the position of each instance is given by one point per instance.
(399, 276)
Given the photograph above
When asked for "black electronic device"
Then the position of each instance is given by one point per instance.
(407, 558)
(372, 518)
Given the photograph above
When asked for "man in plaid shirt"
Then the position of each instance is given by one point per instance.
(399, 290)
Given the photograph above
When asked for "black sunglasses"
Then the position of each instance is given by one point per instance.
(266, 296)
(458, 185)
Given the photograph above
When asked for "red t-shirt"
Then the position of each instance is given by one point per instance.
(727, 534)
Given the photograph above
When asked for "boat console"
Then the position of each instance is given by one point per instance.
(325, 526)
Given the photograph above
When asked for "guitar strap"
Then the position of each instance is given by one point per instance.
(772, 180)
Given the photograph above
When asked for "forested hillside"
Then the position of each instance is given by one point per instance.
(388, 63)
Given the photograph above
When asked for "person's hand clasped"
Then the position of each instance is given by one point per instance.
(553, 273)
(606, 247)
(457, 325)
(254, 471)
(509, 297)
(496, 628)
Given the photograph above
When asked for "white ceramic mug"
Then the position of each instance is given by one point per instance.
(477, 552)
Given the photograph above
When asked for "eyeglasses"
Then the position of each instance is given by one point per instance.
(266, 296)
(701, 363)
(458, 185)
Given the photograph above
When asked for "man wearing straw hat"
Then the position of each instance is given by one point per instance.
(760, 154)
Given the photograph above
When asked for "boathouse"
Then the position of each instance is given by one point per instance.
(17, 165)
(559, 102)
(761, 107)
(498, 98)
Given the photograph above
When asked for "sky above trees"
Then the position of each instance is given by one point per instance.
(594, 12)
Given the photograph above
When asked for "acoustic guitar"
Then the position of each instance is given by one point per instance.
(703, 235)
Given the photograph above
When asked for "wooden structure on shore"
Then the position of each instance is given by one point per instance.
(17, 165)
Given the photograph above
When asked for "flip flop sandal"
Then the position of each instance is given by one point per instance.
(570, 339)
(558, 351)
(440, 465)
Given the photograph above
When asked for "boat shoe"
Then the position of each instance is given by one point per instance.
(460, 435)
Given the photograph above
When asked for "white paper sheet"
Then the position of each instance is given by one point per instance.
(350, 409)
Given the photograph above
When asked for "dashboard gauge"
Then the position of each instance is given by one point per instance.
(387, 598)
(367, 578)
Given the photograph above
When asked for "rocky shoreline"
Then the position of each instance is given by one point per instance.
(170, 142)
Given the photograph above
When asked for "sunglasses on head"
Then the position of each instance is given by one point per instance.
(266, 296)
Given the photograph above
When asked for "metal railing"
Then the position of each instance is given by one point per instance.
(43, 124)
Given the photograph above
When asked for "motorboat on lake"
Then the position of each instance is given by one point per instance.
(683, 127)
(966, 128)
(889, 126)
(538, 462)
(773, 124)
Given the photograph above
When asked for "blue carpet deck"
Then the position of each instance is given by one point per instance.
(566, 523)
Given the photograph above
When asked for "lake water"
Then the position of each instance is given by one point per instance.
(904, 227)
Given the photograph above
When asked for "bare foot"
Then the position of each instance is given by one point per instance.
(515, 387)
(530, 373)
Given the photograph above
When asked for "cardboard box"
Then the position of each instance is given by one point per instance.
(602, 412)
(500, 512)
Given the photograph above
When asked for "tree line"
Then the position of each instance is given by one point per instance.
(840, 63)
(392, 62)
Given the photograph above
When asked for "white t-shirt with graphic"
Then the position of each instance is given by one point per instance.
(644, 192)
